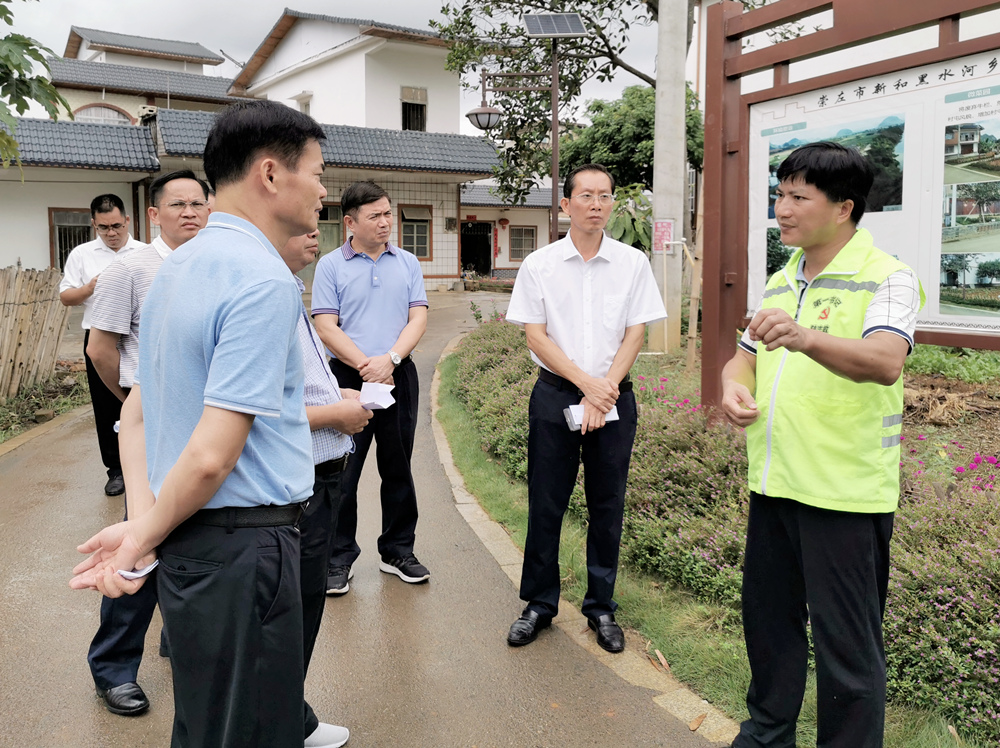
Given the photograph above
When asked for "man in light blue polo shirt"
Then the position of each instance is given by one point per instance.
(370, 309)
(217, 413)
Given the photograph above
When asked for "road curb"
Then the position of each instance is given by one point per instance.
(43, 428)
(630, 665)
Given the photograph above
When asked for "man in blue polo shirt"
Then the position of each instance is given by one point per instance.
(370, 309)
(224, 433)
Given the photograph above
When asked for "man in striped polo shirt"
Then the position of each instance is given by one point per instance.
(333, 416)
(180, 208)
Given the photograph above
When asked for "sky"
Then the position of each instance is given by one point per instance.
(211, 23)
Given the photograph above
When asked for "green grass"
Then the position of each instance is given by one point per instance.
(966, 365)
(711, 659)
(17, 413)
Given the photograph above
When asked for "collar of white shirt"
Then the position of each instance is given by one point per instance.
(161, 247)
(569, 250)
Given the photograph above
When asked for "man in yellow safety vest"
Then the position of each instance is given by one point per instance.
(817, 383)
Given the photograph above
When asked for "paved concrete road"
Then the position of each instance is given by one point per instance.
(403, 666)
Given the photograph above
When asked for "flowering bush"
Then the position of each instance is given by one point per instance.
(685, 519)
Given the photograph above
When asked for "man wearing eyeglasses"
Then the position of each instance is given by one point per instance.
(179, 206)
(84, 264)
(584, 302)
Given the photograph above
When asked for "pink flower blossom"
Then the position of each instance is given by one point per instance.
(960, 469)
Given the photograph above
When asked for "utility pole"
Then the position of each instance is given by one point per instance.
(669, 169)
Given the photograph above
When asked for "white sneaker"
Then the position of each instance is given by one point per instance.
(327, 736)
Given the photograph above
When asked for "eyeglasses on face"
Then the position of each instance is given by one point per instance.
(587, 199)
(112, 229)
(181, 205)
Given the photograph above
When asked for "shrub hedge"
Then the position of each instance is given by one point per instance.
(685, 519)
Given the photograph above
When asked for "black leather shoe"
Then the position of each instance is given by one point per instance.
(115, 485)
(127, 699)
(609, 634)
(525, 629)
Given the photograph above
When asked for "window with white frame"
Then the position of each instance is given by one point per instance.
(415, 230)
(102, 115)
(522, 241)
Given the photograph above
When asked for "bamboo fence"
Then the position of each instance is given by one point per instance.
(33, 321)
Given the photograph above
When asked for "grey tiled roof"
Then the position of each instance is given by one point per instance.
(184, 134)
(481, 195)
(85, 145)
(167, 47)
(129, 79)
(361, 22)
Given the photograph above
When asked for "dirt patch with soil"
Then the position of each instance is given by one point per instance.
(968, 413)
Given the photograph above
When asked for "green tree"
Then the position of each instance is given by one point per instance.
(960, 264)
(984, 194)
(631, 219)
(777, 253)
(620, 136)
(19, 86)
(988, 271)
(491, 35)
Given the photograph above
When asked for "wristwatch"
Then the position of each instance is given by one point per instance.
(395, 358)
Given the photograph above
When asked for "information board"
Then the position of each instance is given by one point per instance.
(933, 136)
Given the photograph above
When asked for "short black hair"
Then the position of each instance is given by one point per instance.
(106, 204)
(839, 172)
(157, 185)
(358, 194)
(571, 177)
(244, 130)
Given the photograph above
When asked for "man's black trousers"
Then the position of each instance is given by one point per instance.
(554, 455)
(317, 526)
(232, 603)
(393, 430)
(107, 410)
(832, 569)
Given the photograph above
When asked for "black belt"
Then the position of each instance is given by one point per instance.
(332, 467)
(249, 516)
(561, 383)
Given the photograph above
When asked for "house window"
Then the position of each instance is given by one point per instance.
(414, 108)
(304, 106)
(67, 229)
(102, 115)
(415, 230)
(522, 241)
(414, 116)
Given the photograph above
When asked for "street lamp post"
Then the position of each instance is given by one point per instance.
(485, 117)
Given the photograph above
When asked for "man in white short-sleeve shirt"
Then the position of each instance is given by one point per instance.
(584, 302)
(179, 206)
(84, 264)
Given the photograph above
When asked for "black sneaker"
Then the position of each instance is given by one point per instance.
(337, 579)
(406, 568)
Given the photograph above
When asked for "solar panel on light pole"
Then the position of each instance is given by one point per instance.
(554, 26)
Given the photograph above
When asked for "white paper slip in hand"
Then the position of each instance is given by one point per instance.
(138, 573)
(574, 416)
(375, 396)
